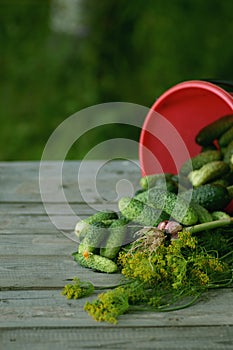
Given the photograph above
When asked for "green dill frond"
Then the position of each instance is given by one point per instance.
(78, 289)
(108, 306)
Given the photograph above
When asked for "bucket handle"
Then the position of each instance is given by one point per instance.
(220, 82)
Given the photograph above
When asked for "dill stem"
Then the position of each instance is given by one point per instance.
(209, 225)
(165, 308)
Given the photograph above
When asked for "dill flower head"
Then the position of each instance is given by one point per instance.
(143, 266)
(78, 289)
(108, 306)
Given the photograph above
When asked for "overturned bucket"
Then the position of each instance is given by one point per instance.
(168, 134)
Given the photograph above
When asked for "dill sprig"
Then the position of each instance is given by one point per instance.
(162, 274)
(78, 289)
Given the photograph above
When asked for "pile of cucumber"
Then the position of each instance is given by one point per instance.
(199, 193)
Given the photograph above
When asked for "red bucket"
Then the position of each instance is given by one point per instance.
(168, 134)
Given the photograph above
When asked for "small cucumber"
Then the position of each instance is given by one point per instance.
(159, 180)
(95, 262)
(228, 152)
(100, 216)
(230, 191)
(225, 180)
(93, 238)
(214, 130)
(210, 147)
(208, 172)
(219, 215)
(203, 214)
(169, 202)
(199, 160)
(211, 196)
(226, 138)
(115, 239)
(137, 211)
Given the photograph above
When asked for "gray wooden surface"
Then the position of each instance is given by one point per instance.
(36, 262)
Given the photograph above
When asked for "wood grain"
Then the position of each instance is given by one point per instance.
(159, 338)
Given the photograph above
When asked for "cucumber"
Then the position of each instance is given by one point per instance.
(139, 191)
(219, 215)
(183, 182)
(214, 130)
(221, 182)
(172, 204)
(229, 177)
(211, 196)
(203, 214)
(137, 211)
(199, 160)
(93, 238)
(159, 180)
(230, 191)
(225, 180)
(96, 262)
(115, 239)
(226, 138)
(208, 172)
(228, 152)
(100, 216)
(210, 147)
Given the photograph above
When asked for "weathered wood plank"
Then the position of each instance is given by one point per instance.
(96, 181)
(36, 244)
(172, 338)
(48, 308)
(27, 218)
(36, 271)
(37, 223)
(82, 209)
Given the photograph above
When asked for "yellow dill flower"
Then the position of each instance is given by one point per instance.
(155, 301)
(78, 289)
(187, 240)
(143, 266)
(202, 277)
(108, 306)
(216, 265)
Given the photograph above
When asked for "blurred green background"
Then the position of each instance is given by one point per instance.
(60, 56)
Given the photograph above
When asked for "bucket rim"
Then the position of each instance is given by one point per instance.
(191, 84)
(198, 84)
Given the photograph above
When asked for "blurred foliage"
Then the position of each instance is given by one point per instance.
(129, 51)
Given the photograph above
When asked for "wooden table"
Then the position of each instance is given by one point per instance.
(36, 263)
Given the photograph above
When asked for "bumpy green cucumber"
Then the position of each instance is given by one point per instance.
(211, 196)
(208, 172)
(93, 238)
(115, 239)
(210, 147)
(228, 152)
(230, 191)
(164, 180)
(137, 211)
(169, 202)
(214, 130)
(199, 160)
(219, 215)
(92, 219)
(221, 181)
(226, 138)
(203, 214)
(95, 262)
(225, 180)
